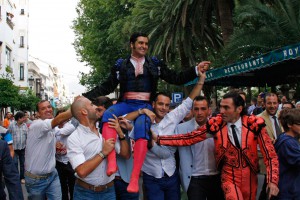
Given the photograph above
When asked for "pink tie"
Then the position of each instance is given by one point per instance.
(139, 65)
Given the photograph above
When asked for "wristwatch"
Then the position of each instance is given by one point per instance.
(122, 138)
(101, 155)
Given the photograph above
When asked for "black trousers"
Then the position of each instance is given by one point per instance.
(67, 179)
(205, 188)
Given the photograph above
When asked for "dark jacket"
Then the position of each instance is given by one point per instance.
(288, 151)
(11, 175)
(156, 68)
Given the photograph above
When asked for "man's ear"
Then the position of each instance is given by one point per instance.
(83, 111)
(239, 109)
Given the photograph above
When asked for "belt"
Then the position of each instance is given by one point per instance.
(44, 176)
(98, 188)
(144, 96)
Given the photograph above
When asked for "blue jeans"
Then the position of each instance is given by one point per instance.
(121, 191)
(39, 189)
(81, 193)
(20, 157)
(162, 188)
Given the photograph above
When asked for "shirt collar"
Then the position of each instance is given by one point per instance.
(238, 123)
(87, 129)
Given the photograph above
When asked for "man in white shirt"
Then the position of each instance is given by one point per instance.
(87, 150)
(41, 177)
(160, 176)
(198, 171)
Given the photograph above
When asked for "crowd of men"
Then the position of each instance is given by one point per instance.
(100, 149)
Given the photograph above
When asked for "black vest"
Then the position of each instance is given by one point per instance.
(146, 82)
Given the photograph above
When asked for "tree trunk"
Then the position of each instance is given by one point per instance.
(184, 60)
(225, 17)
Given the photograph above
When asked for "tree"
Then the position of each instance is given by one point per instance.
(99, 40)
(178, 30)
(27, 101)
(261, 27)
(9, 94)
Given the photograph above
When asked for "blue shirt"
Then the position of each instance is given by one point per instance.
(288, 151)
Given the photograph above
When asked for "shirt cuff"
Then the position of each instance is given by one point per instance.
(77, 160)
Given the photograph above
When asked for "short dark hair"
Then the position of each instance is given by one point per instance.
(37, 105)
(135, 35)
(288, 102)
(237, 101)
(201, 98)
(103, 101)
(160, 93)
(19, 115)
(271, 94)
(289, 116)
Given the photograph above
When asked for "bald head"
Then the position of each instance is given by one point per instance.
(77, 105)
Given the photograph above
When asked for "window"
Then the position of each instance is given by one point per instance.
(21, 71)
(8, 56)
(22, 11)
(21, 41)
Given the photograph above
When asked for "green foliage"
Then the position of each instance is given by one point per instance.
(9, 93)
(99, 39)
(261, 27)
(11, 97)
(178, 30)
(27, 101)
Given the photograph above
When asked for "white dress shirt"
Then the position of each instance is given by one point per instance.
(238, 130)
(83, 145)
(204, 162)
(40, 148)
(62, 135)
(160, 159)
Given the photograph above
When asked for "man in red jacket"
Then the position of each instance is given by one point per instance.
(236, 137)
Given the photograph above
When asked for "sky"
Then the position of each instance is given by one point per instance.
(51, 38)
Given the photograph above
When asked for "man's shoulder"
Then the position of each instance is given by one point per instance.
(263, 114)
(75, 135)
(38, 122)
(186, 125)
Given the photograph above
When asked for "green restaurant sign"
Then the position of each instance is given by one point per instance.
(262, 61)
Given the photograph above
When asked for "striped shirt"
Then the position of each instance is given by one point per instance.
(19, 134)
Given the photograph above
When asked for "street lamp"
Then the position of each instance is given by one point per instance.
(30, 82)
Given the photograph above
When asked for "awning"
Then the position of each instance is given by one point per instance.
(277, 67)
